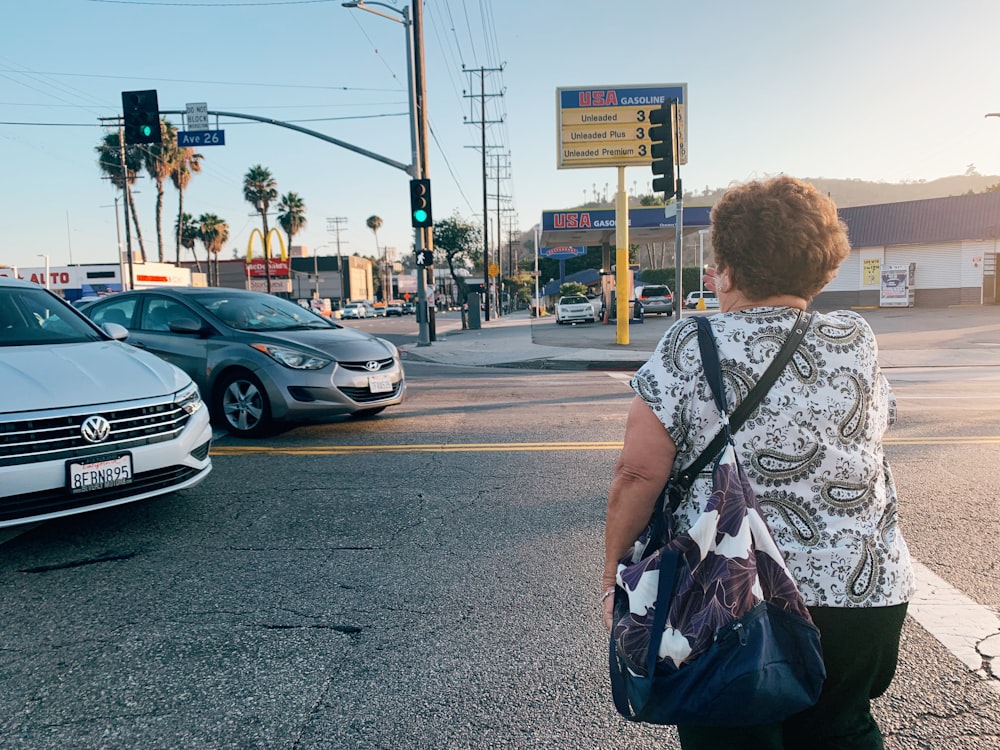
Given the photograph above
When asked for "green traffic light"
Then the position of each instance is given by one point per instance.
(147, 131)
(420, 215)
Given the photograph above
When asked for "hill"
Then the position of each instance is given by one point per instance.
(847, 193)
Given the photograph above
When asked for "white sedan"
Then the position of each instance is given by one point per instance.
(88, 421)
(575, 309)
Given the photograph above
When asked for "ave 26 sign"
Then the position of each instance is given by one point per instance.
(191, 138)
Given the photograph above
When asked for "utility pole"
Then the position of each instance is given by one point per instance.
(333, 224)
(498, 246)
(125, 206)
(483, 122)
(424, 237)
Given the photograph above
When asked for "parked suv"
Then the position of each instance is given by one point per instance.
(656, 299)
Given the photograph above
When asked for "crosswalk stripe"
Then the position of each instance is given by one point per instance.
(970, 631)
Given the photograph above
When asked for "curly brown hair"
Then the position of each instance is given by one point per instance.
(778, 236)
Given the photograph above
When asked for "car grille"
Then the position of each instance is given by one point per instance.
(42, 438)
(364, 395)
(383, 364)
(58, 500)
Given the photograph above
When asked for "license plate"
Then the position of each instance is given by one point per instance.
(379, 384)
(88, 476)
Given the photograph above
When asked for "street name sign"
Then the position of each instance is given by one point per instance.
(190, 138)
(608, 126)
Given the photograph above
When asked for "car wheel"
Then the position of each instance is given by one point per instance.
(367, 413)
(241, 404)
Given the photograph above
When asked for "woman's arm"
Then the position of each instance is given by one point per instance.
(639, 475)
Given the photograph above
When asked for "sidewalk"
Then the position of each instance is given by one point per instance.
(908, 337)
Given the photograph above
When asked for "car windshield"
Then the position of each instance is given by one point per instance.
(573, 301)
(262, 313)
(34, 316)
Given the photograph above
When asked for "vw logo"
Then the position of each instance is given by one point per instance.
(95, 429)
(372, 366)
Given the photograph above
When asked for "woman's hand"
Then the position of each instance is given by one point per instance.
(709, 279)
(608, 605)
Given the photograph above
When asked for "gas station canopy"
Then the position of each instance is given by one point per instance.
(592, 227)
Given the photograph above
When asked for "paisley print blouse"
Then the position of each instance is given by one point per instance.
(812, 449)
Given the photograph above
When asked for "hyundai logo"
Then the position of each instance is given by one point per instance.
(372, 366)
(95, 429)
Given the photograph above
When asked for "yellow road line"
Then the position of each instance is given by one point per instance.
(345, 450)
(328, 450)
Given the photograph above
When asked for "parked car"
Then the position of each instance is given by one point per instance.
(394, 308)
(711, 301)
(86, 421)
(409, 308)
(259, 359)
(354, 310)
(575, 309)
(656, 299)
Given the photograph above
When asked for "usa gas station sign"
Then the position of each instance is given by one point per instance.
(608, 126)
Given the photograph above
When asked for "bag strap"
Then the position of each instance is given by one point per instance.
(732, 423)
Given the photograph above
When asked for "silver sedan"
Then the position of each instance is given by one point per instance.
(259, 359)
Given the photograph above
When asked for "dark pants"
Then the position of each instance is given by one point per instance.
(860, 649)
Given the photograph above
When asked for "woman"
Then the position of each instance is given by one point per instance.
(812, 451)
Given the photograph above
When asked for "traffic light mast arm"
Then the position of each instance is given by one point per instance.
(356, 149)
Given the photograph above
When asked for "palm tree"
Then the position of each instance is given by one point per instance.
(187, 164)
(109, 159)
(160, 160)
(293, 215)
(375, 223)
(213, 233)
(260, 190)
(187, 231)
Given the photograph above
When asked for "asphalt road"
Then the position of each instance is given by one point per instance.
(426, 579)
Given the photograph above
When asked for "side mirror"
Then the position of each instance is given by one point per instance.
(115, 330)
(186, 325)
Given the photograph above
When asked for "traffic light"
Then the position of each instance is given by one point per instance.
(662, 151)
(420, 204)
(141, 113)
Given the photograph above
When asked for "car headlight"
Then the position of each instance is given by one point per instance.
(293, 357)
(189, 399)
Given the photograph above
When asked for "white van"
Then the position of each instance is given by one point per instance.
(711, 301)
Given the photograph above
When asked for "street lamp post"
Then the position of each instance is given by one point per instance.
(418, 119)
(316, 272)
(40, 255)
(701, 260)
(537, 229)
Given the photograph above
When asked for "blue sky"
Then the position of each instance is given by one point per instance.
(887, 90)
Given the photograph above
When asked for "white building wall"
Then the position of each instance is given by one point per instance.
(972, 261)
(938, 266)
(847, 276)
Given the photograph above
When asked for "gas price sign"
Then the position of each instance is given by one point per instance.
(606, 126)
